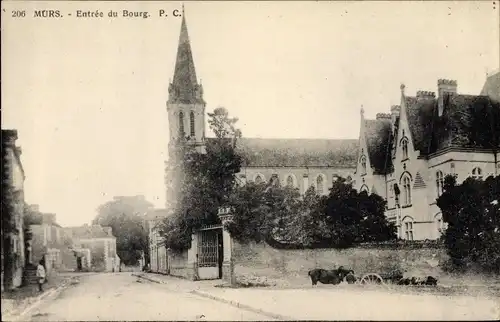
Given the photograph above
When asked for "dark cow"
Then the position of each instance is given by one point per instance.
(324, 276)
(429, 280)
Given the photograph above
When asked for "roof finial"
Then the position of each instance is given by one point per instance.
(402, 87)
(183, 9)
(362, 110)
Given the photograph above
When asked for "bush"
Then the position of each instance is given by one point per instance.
(281, 217)
(472, 212)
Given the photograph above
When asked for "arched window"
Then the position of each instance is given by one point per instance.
(191, 123)
(439, 182)
(406, 190)
(319, 184)
(258, 179)
(289, 182)
(363, 164)
(408, 228)
(404, 148)
(477, 173)
(181, 123)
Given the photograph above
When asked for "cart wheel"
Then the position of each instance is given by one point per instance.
(372, 278)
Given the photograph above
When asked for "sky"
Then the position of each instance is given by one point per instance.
(88, 95)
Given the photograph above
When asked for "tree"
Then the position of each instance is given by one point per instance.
(472, 213)
(125, 216)
(205, 183)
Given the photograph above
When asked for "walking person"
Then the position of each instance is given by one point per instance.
(40, 274)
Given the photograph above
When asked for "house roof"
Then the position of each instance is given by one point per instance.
(420, 113)
(378, 141)
(491, 87)
(468, 121)
(89, 232)
(155, 214)
(260, 152)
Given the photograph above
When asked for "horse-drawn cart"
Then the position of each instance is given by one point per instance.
(392, 277)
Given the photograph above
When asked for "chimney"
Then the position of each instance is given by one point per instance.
(446, 87)
(395, 109)
(425, 95)
(9, 137)
(383, 116)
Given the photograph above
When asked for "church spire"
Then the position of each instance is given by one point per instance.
(184, 87)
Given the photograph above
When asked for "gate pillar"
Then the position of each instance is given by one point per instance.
(225, 215)
(192, 259)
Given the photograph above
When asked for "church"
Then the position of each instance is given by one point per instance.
(402, 156)
(300, 163)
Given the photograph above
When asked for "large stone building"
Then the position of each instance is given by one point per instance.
(405, 155)
(297, 162)
(13, 258)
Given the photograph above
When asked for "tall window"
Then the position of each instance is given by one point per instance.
(407, 191)
(319, 184)
(477, 173)
(409, 230)
(439, 182)
(404, 148)
(258, 179)
(191, 123)
(181, 123)
(363, 164)
(289, 182)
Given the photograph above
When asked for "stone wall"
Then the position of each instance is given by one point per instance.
(178, 264)
(264, 261)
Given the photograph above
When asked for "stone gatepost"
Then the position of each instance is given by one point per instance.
(226, 215)
(192, 259)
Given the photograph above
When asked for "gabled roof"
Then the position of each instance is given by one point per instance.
(378, 141)
(420, 113)
(156, 214)
(259, 152)
(89, 232)
(467, 121)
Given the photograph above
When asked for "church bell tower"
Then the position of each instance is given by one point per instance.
(186, 114)
(185, 105)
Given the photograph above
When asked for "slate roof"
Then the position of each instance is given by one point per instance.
(420, 114)
(378, 141)
(184, 87)
(155, 214)
(491, 87)
(261, 152)
(468, 121)
(94, 231)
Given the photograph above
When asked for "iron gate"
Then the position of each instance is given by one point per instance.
(208, 253)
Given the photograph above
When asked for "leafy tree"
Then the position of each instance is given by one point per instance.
(281, 216)
(472, 213)
(124, 216)
(205, 181)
